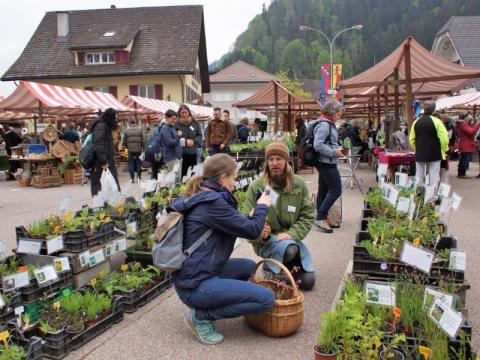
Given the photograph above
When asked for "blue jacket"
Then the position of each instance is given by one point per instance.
(170, 143)
(326, 149)
(210, 209)
(71, 135)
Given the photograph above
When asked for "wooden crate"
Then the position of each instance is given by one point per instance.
(47, 181)
(73, 176)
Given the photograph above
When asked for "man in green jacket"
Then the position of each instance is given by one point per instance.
(429, 138)
(290, 218)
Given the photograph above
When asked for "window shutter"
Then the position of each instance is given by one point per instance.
(118, 57)
(90, 88)
(159, 91)
(113, 90)
(125, 56)
(133, 90)
(81, 57)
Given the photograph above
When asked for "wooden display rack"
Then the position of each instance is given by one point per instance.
(73, 176)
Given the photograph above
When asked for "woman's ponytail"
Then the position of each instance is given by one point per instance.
(193, 185)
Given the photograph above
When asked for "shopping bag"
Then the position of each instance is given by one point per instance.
(107, 182)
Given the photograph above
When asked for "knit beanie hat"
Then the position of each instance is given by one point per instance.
(279, 149)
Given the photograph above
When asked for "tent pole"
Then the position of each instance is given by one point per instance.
(275, 91)
(289, 114)
(474, 111)
(396, 123)
(387, 125)
(379, 112)
(408, 85)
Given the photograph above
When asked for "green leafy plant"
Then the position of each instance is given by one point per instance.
(12, 352)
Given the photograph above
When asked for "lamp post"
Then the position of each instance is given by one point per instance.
(330, 43)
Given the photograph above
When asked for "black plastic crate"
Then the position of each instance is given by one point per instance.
(134, 300)
(32, 346)
(34, 292)
(8, 311)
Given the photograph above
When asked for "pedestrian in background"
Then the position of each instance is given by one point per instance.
(133, 141)
(467, 129)
(191, 135)
(70, 134)
(170, 140)
(219, 134)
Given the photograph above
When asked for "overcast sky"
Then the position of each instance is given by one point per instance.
(224, 21)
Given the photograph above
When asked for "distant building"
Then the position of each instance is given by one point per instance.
(153, 52)
(235, 83)
(459, 41)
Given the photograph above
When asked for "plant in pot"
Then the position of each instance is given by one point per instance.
(12, 352)
(327, 345)
(390, 349)
(28, 328)
(72, 305)
(90, 308)
(104, 304)
(47, 328)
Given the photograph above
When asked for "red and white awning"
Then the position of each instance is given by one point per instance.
(464, 100)
(156, 108)
(201, 112)
(58, 100)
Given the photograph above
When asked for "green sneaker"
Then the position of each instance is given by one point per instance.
(203, 329)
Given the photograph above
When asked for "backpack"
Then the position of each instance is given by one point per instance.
(153, 150)
(87, 153)
(310, 156)
(167, 252)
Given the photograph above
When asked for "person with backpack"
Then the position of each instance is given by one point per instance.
(170, 142)
(213, 285)
(325, 143)
(243, 131)
(133, 141)
(192, 135)
(104, 150)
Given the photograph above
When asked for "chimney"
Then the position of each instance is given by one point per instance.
(62, 24)
(113, 6)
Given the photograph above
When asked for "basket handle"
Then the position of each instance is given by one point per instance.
(280, 265)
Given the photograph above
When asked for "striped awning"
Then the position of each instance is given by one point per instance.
(58, 100)
(158, 108)
(464, 100)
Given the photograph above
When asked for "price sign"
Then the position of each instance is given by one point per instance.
(55, 244)
(29, 246)
(417, 257)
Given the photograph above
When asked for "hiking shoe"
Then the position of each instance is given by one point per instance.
(324, 226)
(204, 329)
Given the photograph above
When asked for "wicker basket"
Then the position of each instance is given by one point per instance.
(286, 316)
(24, 182)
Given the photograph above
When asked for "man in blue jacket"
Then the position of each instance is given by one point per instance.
(171, 147)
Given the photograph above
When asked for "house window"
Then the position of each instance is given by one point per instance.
(109, 34)
(244, 95)
(100, 58)
(223, 96)
(146, 91)
(101, 88)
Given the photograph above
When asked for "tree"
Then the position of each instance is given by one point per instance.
(293, 86)
(294, 57)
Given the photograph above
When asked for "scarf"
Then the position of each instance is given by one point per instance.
(186, 121)
(214, 185)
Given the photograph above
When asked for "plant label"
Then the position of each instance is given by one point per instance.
(148, 185)
(45, 275)
(3, 246)
(29, 246)
(392, 195)
(176, 168)
(4, 335)
(446, 318)
(425, 351)
(96, 257)
(61, 264)
(55, 244)
(403, 204)
(239, 163)
(444, 205)
(432, 294)
(244, 182)
(429, 193)
(401, 179)
(272, 194)
(380, 293)
(411, 210)
(110, 250)
(15, 281)
(417, 257)
(131, 228)
(19, 310)
(382, 170)
(2, 302)
(456, 200)
(65, 203)
(121, 245)
(84, 259)
(237, 185)
(98, 201)
(444, 190)
(458, 260)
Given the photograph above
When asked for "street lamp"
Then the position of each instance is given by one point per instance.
(306, 28)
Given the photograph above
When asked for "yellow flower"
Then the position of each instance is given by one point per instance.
(68, 216)
(436, 214)
(119, 209)
(107, 219)
(56, 230)
(102, 216)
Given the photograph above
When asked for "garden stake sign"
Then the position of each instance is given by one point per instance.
(396, 316)
(425, 351)
(4, 335)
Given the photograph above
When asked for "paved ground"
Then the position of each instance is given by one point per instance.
(157, 330)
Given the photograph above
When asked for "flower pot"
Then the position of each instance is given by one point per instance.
(91, 322)
(73, 330)
(391, 355)
(322, 356)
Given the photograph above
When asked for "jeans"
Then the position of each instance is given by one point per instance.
(431, 168)
(215, 149)
(229, 294)
(134, 164)
(188, 160)
(329, 190)
(464, 163)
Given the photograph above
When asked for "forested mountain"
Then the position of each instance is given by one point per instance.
(273, 41)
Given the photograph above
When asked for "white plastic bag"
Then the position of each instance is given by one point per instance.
(107, 182)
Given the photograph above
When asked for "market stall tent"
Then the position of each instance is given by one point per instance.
(277, 97)
(465, 100)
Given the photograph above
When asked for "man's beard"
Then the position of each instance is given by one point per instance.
(280, 180)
